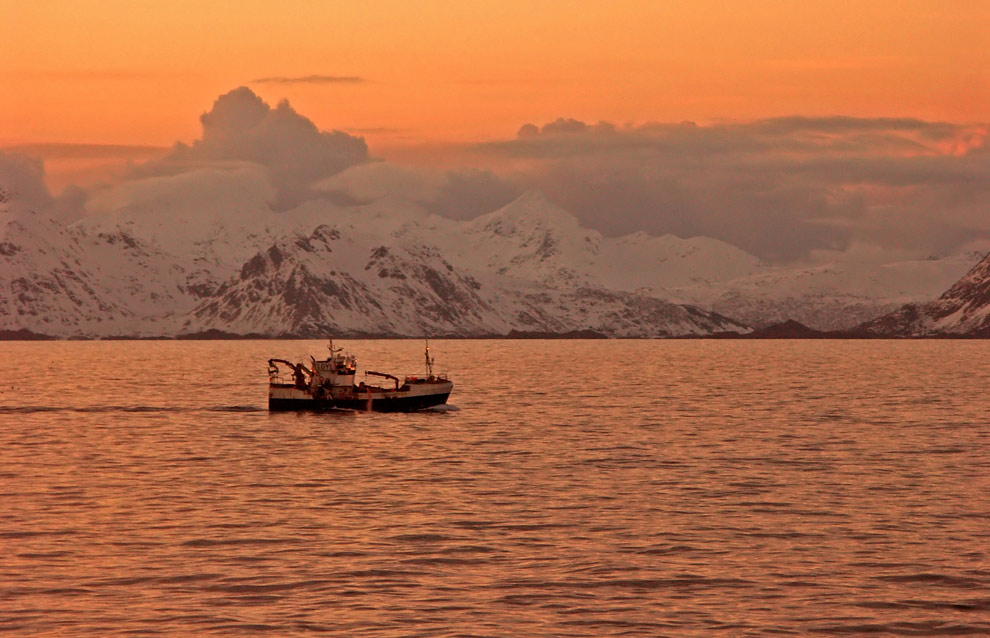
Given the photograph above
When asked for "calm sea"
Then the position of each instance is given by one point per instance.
(583, 488)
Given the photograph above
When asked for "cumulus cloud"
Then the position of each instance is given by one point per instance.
(782, 188)
(241, 127)
(23, 190)
(779, 188)
(22, 184)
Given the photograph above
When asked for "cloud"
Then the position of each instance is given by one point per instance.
(241, 127)
(310, 79)
(780, 188)
(203, 205)
(23, 190)
(457, 194)
(22, 184)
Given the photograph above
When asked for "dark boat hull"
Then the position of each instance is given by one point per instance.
(417, 395)
(375, 404)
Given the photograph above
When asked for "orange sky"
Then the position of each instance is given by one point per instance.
(125, 72)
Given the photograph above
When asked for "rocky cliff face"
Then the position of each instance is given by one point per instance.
(61, 281)
(313, 285)
(963, 309)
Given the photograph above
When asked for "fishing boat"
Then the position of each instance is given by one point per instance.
(329, 384)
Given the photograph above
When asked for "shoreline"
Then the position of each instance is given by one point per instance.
(758, 335)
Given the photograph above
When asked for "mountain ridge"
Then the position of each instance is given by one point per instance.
(963, 309)
(160, 265)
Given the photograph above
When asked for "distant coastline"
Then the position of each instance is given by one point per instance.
(787, 330)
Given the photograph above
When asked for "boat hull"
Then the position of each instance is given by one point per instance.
(282, 399)
(393, 404)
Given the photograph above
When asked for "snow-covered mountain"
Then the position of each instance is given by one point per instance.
(205, 250)
(324, 283)
(963, 309)
(533, 239)
(65, 281)
(830, 294)
(329, 283)
(147, 253)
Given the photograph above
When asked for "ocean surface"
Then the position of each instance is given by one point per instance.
(583, 488)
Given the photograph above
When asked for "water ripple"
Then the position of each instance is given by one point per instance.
(684, 489)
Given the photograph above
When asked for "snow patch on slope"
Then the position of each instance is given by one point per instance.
(962, 309)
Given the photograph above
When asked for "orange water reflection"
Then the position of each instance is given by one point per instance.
(584, 488)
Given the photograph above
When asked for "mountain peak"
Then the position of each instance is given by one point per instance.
(534, 196)
(529, 212)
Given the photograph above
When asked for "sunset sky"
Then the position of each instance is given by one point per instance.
(436, 72)
(785, 128)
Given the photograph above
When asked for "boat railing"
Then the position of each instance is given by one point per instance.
(421, 378)
(280, 379)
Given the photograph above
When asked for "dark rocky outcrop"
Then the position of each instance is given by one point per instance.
(571, 334)
(24, 334)
(789, 329)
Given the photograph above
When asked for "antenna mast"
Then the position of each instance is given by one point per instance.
(429, 361)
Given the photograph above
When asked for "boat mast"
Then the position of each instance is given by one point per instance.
(429, 361)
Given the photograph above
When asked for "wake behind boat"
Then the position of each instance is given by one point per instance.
(329, 384)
